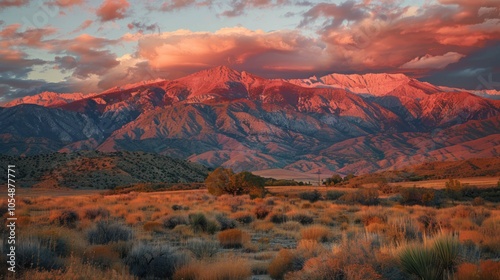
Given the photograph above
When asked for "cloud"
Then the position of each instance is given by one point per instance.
(471, 72)
(335, 14)
(14, 62)
(89, 52)
(65, 62)
(111, 10)
(239, 7)
(432, 62)
(12, 3)
(86, 24)
(382, 36)
(17, 88)
(176, 4)
(185, 51)
(66, 3)
(142, 26)
(12, 38)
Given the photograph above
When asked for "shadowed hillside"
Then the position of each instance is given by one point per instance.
(101, 170)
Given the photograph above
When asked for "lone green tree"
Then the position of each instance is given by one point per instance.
(225, 181)
(335, 179)
(454, 188)
(219, 181)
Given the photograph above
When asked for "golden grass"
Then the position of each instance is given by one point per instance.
(316, 232)
(237, 269)
(78, 271)
(232, 238)
(349, 228)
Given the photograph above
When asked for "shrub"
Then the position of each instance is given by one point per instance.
(171, 221)
(317, 232)
(284, 262)
(176, 207)
(310, 248)
(323, 267)
(212, 227)
(243, 217)
(202, 248)
(335, 179)
(453, 186)
(56, 240)
(65, 218)
(429, 223)
(94, 213)
(102, 256)
(261, 211)
(421, 196)
(225, 222)
(31, 253)
(234, 269)
(224, 181)
(263, 226)
(478, 201)
(106, 232)
(401, 229)
(291, 226)
(311, 196)
(385, 188)
(278, 218)
(363, 196)
(303, 218)
(486, 270)
(232, 238)
(152, 226)
(334, 195)
(470, 191)
(372, 217)
(198, 222)
(159, 261)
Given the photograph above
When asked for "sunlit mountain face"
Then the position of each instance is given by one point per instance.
(223, 117)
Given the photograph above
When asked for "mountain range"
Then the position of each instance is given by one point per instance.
(222, 117)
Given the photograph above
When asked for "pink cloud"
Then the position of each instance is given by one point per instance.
(112, 10)
(86, 24)
(238, 47)
(370, 36)
(66, 3)
(32, 38)
(12, 3)
(433, 62)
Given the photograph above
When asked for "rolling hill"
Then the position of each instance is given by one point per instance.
(97, 170)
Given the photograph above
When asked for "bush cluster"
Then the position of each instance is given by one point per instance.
(107, 232)
(363, 196)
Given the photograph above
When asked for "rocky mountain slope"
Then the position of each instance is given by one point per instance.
(340, 123)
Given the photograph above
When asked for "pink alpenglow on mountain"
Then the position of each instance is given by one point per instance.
(223, 117)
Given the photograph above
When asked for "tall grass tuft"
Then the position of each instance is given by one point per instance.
(202, 248)
(431, 261)
(446, 248)
(421, 261)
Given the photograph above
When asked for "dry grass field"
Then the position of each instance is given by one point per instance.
(292, 233)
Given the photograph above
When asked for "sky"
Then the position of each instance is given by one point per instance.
(89, 46)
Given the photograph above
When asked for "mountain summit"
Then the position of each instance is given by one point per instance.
(222, 117)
